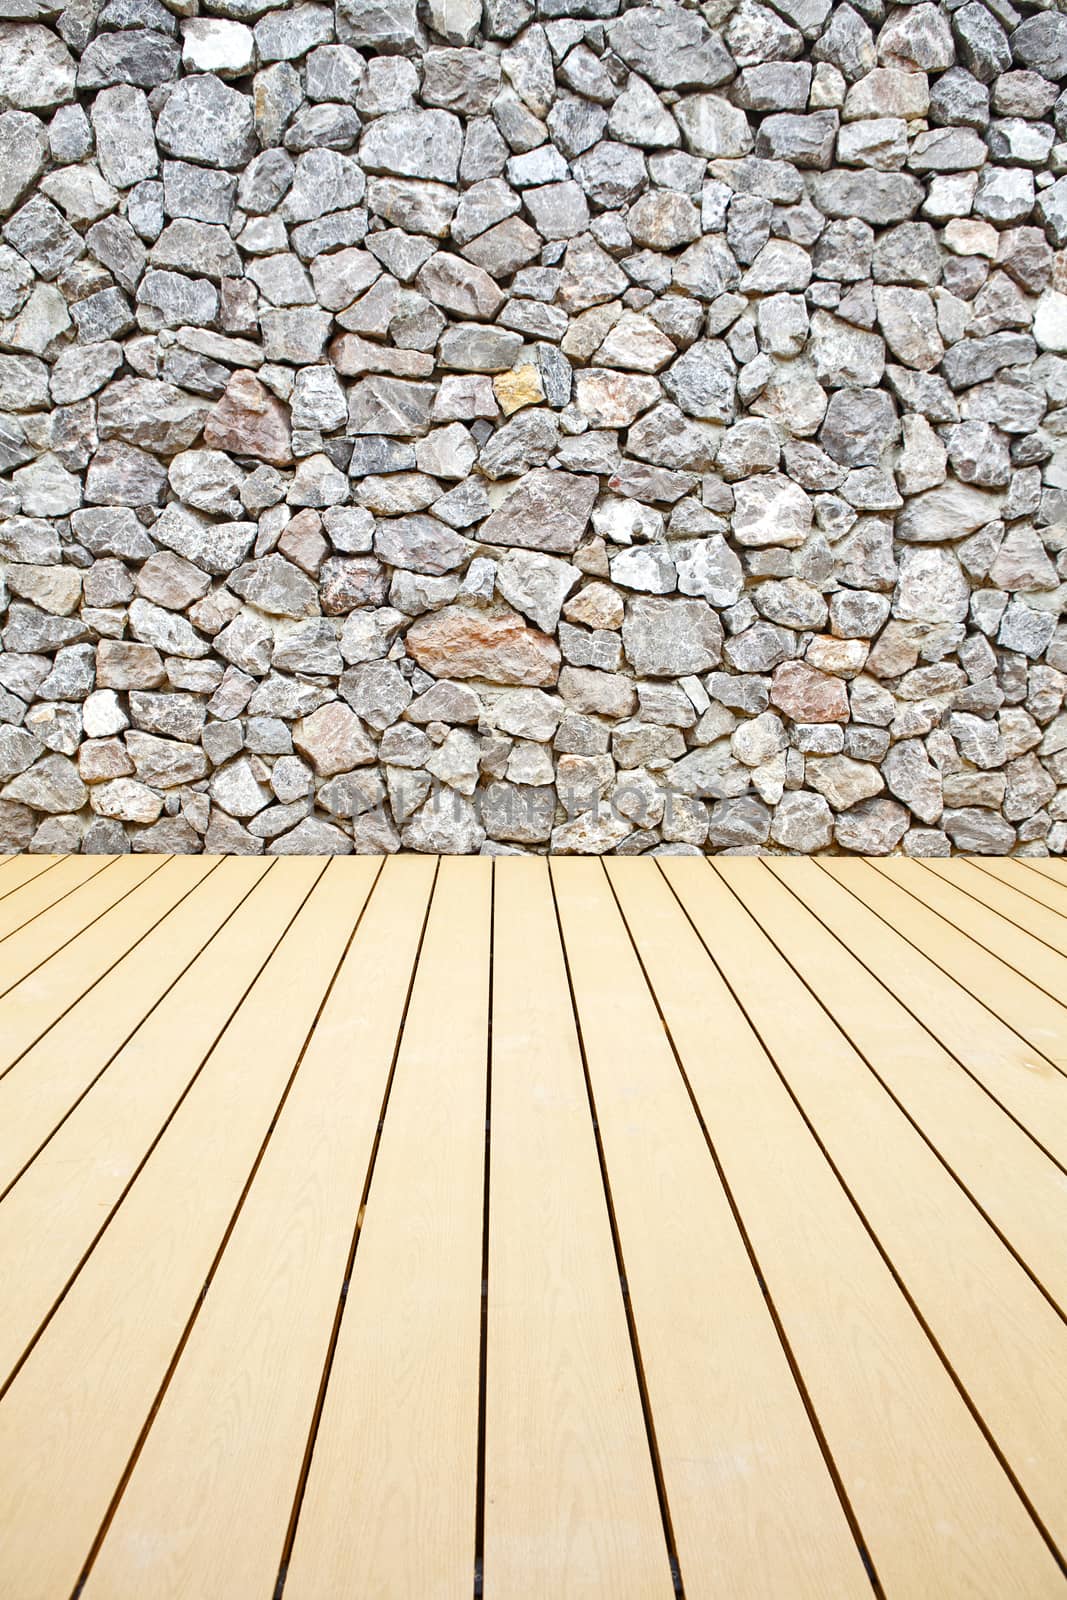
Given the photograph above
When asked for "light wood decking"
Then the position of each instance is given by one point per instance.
(574, 1229)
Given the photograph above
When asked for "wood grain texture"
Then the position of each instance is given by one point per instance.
(64, 951)
(24, 873)
(390, 1503)
(72, 1417)
(1001, 1337)
(571, 1509)
(1031, 887)
(39, 1090)
(208, 1505)
(1025, 963)
(94, 886)
(935, 1509)
(1033, 1015)
(835, 1336)
(53, 1213)
(1053, 867)
(1017, 1076)
(752, 1504)
(1018, 1186)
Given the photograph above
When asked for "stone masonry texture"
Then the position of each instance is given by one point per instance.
(525, 425)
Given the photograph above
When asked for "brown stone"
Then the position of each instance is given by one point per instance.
(122, 665)
(333, 739)
(547, 510)
(100, 760)
(350, 581)
(303, 542)
(250, 421)
(496, 645)
(807, 695)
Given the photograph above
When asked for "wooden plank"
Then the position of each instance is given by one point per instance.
(207, 1509)
(1002, 1338)
(50, 1218)
(1031, 1014)
(936, 1511)
(1006, 897)
(1054, 867)
(1030, 962)
(41, 890)
(40, 1088)
(389, 1503)
(1032, 886)
(570, 1505)
(77, 1407)
(753, 1507)
(95, 887)
(17, 870)
(142, 891)
(1017, 1185)
(1029, 1087)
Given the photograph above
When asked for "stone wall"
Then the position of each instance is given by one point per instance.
(533, 424)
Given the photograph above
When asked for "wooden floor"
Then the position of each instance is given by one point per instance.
(610, 1229)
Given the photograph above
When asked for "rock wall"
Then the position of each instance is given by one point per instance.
(503, 424)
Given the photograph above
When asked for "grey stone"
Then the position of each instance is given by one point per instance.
(805, 141)
(23, 151)
(1005, 195)
(878, 198)
(948, 512)
(673, 49)
(537, 585)
(420, 544)
(858, 426)
(976, 831)
(154, 416)
(459, 286)
(547, 510)
(125, 139)
(205, 120)
(171, 300)
(771, 510)
(144, 57)
(211, 44)
(287, 35)
(668, 638)
(276, 586)
(712, 127)
(803, 822)
(611, 174)
(37, 70)
(43, 236)
(416, 144)
(382, 405)
(1041, 42)
(52, 784)
(931, 587)
(875, 827)
(702, 382)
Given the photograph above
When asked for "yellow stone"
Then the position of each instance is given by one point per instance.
(519, 388)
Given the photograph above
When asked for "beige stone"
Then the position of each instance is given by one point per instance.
(598, 605)
(333, 739)
(521, 387)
